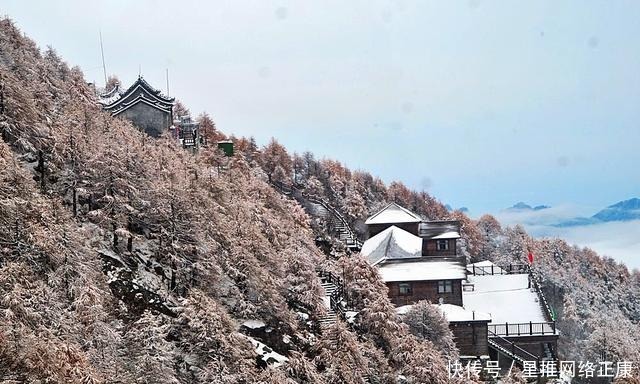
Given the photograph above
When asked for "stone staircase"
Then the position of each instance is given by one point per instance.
(335, 222)
(549, 353)
(332, 316)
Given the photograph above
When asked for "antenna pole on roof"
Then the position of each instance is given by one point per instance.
(167, 81)
(104, 67)
(139, 70)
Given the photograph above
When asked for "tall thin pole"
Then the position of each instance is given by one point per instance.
(104, 67)
(167, 81)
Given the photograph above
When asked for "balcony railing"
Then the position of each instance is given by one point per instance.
(523, 329)
(498, 269)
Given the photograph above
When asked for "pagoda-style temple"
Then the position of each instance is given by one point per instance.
(143, 105)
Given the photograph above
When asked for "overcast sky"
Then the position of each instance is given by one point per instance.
(481, 103)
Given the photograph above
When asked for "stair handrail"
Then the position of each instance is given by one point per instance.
(318, 200)
(341, 218)
(545, 304)
(337, 296)
(522, 353)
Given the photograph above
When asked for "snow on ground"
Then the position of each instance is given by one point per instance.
(268, 355)
(393, 213)
(452, 312)
(327, 301)
(506, 298)
(422, 271)
(351, 316)
(254, 324)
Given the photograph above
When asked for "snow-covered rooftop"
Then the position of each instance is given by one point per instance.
(421, 271)
(507, 298)
(448, 235)
(392, 243)
(453, 313)
(433, 230)
(393, 213)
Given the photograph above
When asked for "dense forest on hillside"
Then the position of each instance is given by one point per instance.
(128, 259)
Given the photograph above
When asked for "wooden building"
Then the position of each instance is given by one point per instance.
(471, 338)
(411, 276)
(439, 238)
(412, 281)
(469, 329)
(143, 105)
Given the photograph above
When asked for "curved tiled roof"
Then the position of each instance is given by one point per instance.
(139, 91)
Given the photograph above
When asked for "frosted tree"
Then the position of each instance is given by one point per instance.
(340, 356)
(314, 187)
(515, 247)
(112, 83)
(208, 129)
(276, 161)
(490, 230)
(427, 322)
(354, 203)
(179, 109)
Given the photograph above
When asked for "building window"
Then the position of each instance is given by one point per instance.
(405, 289)
(445, 286)
(442, 245)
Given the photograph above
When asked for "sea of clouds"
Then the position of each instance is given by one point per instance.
(618, 240)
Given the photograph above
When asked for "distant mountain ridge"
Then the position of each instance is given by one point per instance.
(522, 206)
(625, 210)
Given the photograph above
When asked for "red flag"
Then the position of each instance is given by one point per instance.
(530, 257)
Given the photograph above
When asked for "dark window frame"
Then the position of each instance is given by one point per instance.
(408, 292)
(446, 245)
(445, 286)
